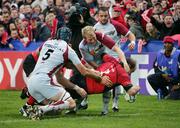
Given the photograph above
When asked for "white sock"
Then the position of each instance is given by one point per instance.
(116, 94)
(59, 105)
(106, 100)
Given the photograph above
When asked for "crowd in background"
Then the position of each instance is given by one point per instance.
(38, 20)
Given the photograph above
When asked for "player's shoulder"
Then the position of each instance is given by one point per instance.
(82, 44)
(97, 24)
(56, 43)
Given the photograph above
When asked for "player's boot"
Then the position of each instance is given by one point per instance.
(115, 109)
(130, 99)
(83, 104)
(25, 110)
(35, 113)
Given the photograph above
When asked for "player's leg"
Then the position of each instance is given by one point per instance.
(158, 82)
(59, 102)
(106, 99)
(116, 94)
(28, 66)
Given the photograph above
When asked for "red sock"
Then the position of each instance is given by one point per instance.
(31, 101)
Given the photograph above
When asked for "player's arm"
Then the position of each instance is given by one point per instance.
(121, 57)
(67, 84)
(87, 72)
(121, 29)
(108, 42)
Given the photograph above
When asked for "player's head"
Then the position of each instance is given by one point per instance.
(89, 35)
(103, 15)
(64, 33)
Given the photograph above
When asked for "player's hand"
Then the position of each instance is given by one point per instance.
(106, 81)
(131, 46)
(81, 92)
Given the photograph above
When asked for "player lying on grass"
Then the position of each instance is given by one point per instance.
(112, 68)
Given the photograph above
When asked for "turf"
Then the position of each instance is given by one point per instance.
(146, 112)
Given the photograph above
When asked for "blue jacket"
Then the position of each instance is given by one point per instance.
(168, 65)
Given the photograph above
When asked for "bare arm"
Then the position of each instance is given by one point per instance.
(121, 57)
(67, 84)
(132, 39)
(93, 64)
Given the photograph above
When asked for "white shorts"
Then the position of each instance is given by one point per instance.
(40, 87)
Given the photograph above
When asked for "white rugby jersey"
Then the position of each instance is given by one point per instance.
(53, 55)
(109, 30)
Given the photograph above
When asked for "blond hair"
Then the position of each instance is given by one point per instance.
(88, 31)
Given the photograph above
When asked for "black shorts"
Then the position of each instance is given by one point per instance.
(29, 64)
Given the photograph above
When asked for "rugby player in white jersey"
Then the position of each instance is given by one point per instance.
(114, 30)
(53, 55)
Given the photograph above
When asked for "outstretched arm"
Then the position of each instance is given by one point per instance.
(69, 85)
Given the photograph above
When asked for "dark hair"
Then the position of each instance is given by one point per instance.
(104, 9)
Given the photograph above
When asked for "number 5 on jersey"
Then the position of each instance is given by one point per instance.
(47, 54)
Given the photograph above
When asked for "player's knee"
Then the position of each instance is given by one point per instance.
(72, 104)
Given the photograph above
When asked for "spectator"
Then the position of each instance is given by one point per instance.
(42, 17)
(14, 38)
(42, 3)
(156, 9)
(37, 9)
(135, 27)
(53, 23)
(116, 15)
(176, 15)
(6, 20)
(27, 11)
(51, 4)
(164, 4)
(166, 68)
(40, 30)
(12, 26)
(21, 12)
(14, 14)
(29, 1)
(168, 27)
(3, 37)
(151, 33)
(25, 32)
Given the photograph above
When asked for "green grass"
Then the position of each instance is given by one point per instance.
(146, 112)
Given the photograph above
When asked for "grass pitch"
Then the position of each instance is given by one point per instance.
(146, 112)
